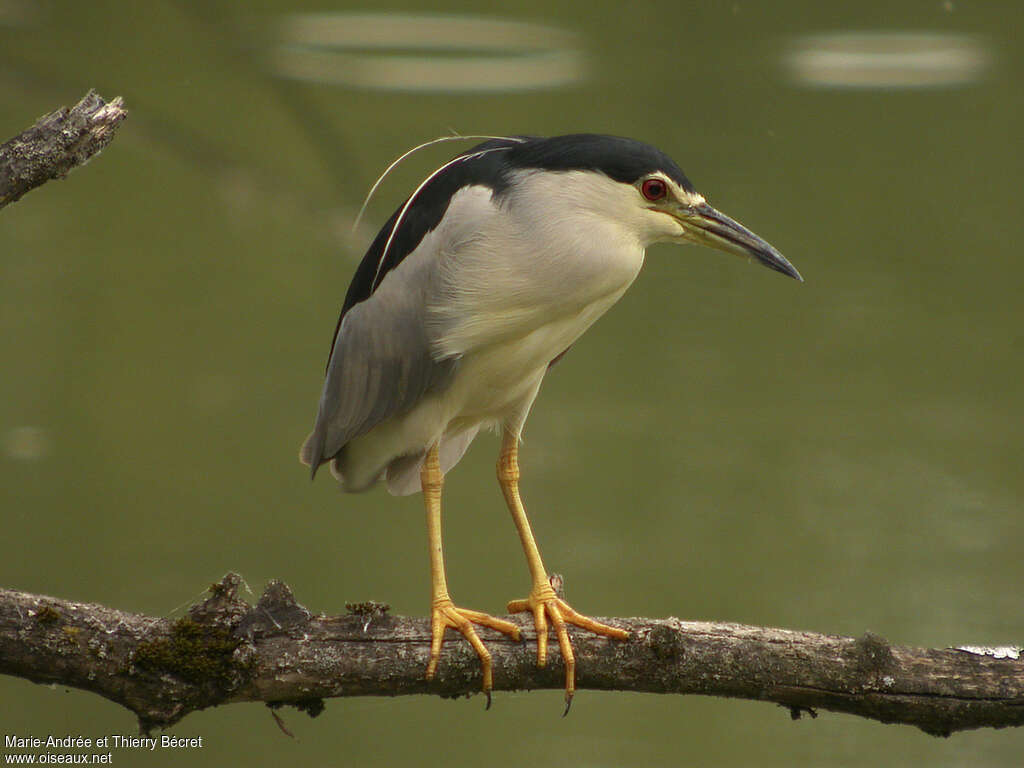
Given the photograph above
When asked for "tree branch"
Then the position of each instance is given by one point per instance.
(227, 651)
(56, 144)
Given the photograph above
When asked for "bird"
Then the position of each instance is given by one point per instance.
(478, 283)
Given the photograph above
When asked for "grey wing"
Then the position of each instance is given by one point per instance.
(381, 365)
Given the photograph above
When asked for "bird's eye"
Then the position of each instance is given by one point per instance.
(653, 189)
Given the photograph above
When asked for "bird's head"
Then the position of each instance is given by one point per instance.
(672, 212)
(642, 187)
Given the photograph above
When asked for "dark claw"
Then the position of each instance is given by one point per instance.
(568, 703)
(488, 705)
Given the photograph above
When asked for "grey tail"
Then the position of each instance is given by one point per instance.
(312, 453)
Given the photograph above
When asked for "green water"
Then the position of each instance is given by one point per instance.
(725, 444)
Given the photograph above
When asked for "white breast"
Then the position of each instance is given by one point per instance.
(541, 259)
(507, 285)
(525, 282)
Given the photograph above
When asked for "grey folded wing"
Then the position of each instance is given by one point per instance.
(381, 366)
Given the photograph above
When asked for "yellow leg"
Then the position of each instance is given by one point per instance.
(543, 603)
(444, 613)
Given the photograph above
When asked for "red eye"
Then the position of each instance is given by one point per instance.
(653, 189)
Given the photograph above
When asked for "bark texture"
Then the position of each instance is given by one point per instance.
(57, 143)
(225, 650)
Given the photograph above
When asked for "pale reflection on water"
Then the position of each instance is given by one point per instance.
(27, 443)
(886, 60)
(393, 51)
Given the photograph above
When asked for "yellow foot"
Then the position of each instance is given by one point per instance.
(445, 614)
(546, 607)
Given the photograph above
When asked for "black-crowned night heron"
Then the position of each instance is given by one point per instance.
(476, 285)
